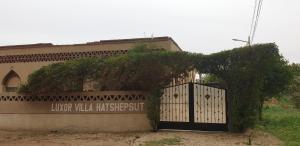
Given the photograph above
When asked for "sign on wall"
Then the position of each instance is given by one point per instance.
(98, 107)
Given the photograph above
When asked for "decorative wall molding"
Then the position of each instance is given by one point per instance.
(58, 56)
(80, 96)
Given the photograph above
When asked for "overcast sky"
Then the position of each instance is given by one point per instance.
(204, 26)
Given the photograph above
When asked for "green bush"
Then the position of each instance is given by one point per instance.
(251, 75)
(62, 77)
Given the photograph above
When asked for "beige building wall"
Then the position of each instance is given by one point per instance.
(107, 111)
(25, 120)
(75, 122)
(23, 69)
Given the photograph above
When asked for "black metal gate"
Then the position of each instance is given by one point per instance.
(193, 106)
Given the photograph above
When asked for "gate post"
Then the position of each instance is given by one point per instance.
(229, 111)
(191, 102)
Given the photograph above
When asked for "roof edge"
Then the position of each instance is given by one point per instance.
(112, 41)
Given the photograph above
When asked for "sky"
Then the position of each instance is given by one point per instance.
(204, 26)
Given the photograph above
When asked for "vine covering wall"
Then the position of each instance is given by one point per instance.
(251, 74)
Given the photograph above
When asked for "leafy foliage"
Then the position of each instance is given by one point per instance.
(61, 77)
(143, 69)
(251, 74)
(294, 88)
(295, 69)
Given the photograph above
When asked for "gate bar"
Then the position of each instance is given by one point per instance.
(191, 103)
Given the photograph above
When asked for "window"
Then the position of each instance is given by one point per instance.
(11, 82)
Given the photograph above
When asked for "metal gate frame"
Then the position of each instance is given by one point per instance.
(191, 125)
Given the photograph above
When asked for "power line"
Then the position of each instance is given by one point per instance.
(257, 18)
(254, 22)
(253, 29)
(253, 17)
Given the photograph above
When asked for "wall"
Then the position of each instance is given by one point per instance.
(28, 112)
(42, 55)
(109, 111)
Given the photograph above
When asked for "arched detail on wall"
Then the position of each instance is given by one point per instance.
(11, 82)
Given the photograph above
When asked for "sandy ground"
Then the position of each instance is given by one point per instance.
(187, 138)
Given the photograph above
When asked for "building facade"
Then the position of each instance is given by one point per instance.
(19, 61)
(184, 105)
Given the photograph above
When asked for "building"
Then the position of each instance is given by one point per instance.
(19, 61)
(108, 111)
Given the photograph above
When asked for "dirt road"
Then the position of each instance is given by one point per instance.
(187, 138)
